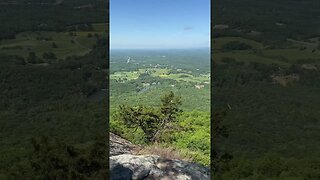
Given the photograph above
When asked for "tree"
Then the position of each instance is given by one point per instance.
(140, 117)
(153, 122)
(218, 131)
(169, 110)
(170, 106)
(54, 159)
(54, 45)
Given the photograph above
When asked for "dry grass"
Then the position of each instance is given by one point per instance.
(165, 152)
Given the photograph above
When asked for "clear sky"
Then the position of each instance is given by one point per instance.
(159, 24)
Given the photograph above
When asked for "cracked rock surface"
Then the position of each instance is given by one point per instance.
(119, 145)
(127, 166)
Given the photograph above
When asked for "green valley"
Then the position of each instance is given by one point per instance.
(139, 79)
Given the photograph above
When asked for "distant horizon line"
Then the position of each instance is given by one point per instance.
(160, 48)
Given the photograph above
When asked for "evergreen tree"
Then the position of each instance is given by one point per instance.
(151, 121)
(140, 117)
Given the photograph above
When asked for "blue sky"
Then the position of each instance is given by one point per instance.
(159, 24)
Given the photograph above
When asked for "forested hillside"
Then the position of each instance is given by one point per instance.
(52, 63)
(266, 68)
(271, 22)
(38, 15)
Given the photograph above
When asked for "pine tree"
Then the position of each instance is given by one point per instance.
(153, 122)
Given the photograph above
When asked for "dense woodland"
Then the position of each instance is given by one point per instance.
(52, 101)
(275, 20)
(51, 127)
(265, 62)
(38, 15)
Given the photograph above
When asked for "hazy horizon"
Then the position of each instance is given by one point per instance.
(156, 49)
(148, 24)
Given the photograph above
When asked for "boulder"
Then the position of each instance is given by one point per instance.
(124, 165)
(119, 145)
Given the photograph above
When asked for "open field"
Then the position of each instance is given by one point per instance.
(219, 42)
(262, 54)
(75, 43)
(162, 73)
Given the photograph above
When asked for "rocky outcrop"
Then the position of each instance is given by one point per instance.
(119, 145)
(126, 166)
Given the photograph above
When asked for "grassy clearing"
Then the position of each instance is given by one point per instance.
(127, 75)
(162, 73)
(41, 42)
(188, 77)
(310, 45)
(282, 57)
(219, 42)
(292, 54)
